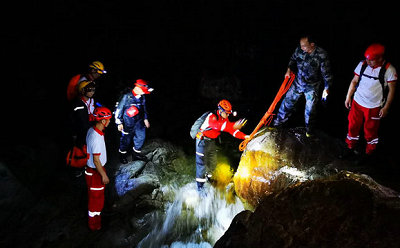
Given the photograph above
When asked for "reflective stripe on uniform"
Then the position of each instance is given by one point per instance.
(201, 180)
(235, 133)
(374, 141)
(77, 108)
(101, 188)
(200, 154)
(92, 214)
(353, 138)
(223, 126)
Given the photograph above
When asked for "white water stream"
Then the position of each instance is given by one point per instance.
(191, 220)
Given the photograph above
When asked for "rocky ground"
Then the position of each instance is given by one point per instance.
(44, 205)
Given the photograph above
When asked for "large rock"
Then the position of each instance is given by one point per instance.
(275, 159)
(345, 210)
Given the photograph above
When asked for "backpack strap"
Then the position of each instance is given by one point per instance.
(363, 67)
(381, 76)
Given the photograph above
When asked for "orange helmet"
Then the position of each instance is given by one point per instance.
(374, 51)
(101, 113)
(226, 106)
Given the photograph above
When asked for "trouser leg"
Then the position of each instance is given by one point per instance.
(310, 111)
(95, 198)
(200, 165)
(355, 118)
(371, 127)
(287, 106)
(139, 135)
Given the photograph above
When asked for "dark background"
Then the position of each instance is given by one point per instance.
(173, 45)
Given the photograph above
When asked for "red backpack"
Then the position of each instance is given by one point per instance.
(77, 157)
(72, 91)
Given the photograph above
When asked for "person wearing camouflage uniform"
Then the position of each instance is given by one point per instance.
(313, 68)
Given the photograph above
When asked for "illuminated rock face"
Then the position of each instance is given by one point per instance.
(273, 160)
(345, 210)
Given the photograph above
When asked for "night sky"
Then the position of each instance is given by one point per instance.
(173, 44)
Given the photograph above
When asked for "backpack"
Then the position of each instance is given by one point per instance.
(197, 124)
(77, 157)
(72, 91)
(381, 76)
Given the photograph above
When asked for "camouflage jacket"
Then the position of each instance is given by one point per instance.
(312, 68)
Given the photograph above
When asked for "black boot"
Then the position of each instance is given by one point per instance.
(139, 156)
(122, 158)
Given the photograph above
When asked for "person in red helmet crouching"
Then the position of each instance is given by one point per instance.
(369, 97)
(214, 123)
(95, 173)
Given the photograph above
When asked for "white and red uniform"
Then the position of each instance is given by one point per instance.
(95, 146)
(367, 102)
(213, 126)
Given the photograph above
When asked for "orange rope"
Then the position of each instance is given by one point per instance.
(267, 118)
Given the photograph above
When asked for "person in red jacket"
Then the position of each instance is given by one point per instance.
(215, 123)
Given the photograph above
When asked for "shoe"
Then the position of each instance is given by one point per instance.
(309, 135)
(122, 158)
(348, 153)
(139, 156)
(209, 177)
(78, 173)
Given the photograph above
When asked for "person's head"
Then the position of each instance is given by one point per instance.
(86, 88)
(141, 87)
(102, 116)
(307, 44)
(96, 69)
(224, 108)
(374, 54)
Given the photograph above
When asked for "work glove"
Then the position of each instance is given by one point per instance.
(325, 94)
(240, 123)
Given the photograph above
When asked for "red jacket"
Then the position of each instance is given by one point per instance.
(214, 124)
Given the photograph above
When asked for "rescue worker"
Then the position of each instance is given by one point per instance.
(313, 69)
(82, 117)
(370, 102)
(216, 122)
(132, 120)
(95, 173)
(96, 69)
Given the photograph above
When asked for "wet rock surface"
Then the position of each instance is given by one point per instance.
(304, 196)
(345, 210)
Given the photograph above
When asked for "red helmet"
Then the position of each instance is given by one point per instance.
(374, 51)
(101, 113)
(143, 85)
(225, 105)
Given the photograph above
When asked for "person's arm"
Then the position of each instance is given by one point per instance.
(350, 91)
(100, 169)
(119, 114)
(384, 111)
(292, 62)
(145, 115)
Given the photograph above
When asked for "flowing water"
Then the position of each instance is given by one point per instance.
(191, 219)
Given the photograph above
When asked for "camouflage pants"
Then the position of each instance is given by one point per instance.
(288, 104)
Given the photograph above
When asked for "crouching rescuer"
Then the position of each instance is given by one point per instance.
(211, 124)
(95, 174)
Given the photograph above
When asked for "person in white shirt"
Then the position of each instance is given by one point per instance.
(367, 98)
(95, 173)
